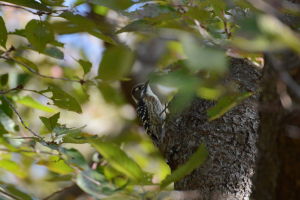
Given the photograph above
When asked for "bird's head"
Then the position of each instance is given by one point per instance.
(139, 90)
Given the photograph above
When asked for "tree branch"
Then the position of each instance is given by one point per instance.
(37, 73)
(2, 93)
(58, 191)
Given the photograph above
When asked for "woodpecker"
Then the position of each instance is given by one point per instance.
(149, 110)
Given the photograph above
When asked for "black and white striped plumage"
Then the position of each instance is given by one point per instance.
(149, 110)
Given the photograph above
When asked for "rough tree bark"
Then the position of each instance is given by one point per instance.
(230, 141)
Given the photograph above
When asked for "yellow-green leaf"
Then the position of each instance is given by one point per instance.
(13, 167)
(118, 159)
(31, 103)
(196, 160)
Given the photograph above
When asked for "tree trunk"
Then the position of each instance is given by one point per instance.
(230, 141)
(278, 164)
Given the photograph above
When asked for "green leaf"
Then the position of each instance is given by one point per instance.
(94, 189)
(53, 2)
(3, 33)
(60, 178)
(135, 26)
(30, 4)
(63, 130)
(226, 103)
(196, 160)
(3, 79)
(219, 12)
(115, 64)
(31, 103)
(39, 33)
(26, 62)
(76, 158)
(10, 188)
(51, 122)
(7, 122)
(110, 94)
(118, 159)
(62, 99)
(13, 167)
(56, 165)
(78, 138)
(19, 32)
(49, 51)
(6, 107)
(202, 16)
(219, 3)
(2, 130)
(56, 43)
(113, 4)
(87, 25)
(197, 56)
(86, 65)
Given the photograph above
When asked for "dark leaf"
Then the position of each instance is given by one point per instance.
(53, 2)
(86, 65)
(113, 4)
(49, 51)
(3, 79)
(76, 158)
(115, 64)
(3, 33)
(135, 26)
(6, 107)
(62, 99)
(87, 25)
(7, 122)
(51, 122)
(202, 16)
(39, 33)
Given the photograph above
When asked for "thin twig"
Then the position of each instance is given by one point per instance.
(228, 33)
(14, 6)
(37, 73)
(58, 191)
(2, 93)
(16, 88)
(204, 34)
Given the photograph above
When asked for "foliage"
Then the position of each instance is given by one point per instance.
(199, 35)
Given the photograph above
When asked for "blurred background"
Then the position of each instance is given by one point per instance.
(107, 110)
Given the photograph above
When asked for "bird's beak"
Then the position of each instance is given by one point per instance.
(147, 83)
